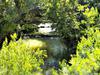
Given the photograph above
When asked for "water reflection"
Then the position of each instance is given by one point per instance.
(55, 47)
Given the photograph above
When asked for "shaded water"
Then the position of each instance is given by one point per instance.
(56, 49)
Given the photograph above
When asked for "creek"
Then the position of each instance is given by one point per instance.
(56, 49)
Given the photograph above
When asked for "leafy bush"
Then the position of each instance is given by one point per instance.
(19, 59)
(87, 59)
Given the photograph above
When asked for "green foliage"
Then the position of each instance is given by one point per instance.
(61, 12)
(90, 15)
(29, 28)
(15, 13)
(87, 59)
(19, 59)
(7, 14)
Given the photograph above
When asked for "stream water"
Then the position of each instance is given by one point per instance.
(56, 49)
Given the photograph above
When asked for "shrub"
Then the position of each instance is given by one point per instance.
(19, 59)
(87, 59)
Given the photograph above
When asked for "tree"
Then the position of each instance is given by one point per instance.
(14, 14)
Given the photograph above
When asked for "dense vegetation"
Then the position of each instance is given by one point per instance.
(75, 21)
(20, 59)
